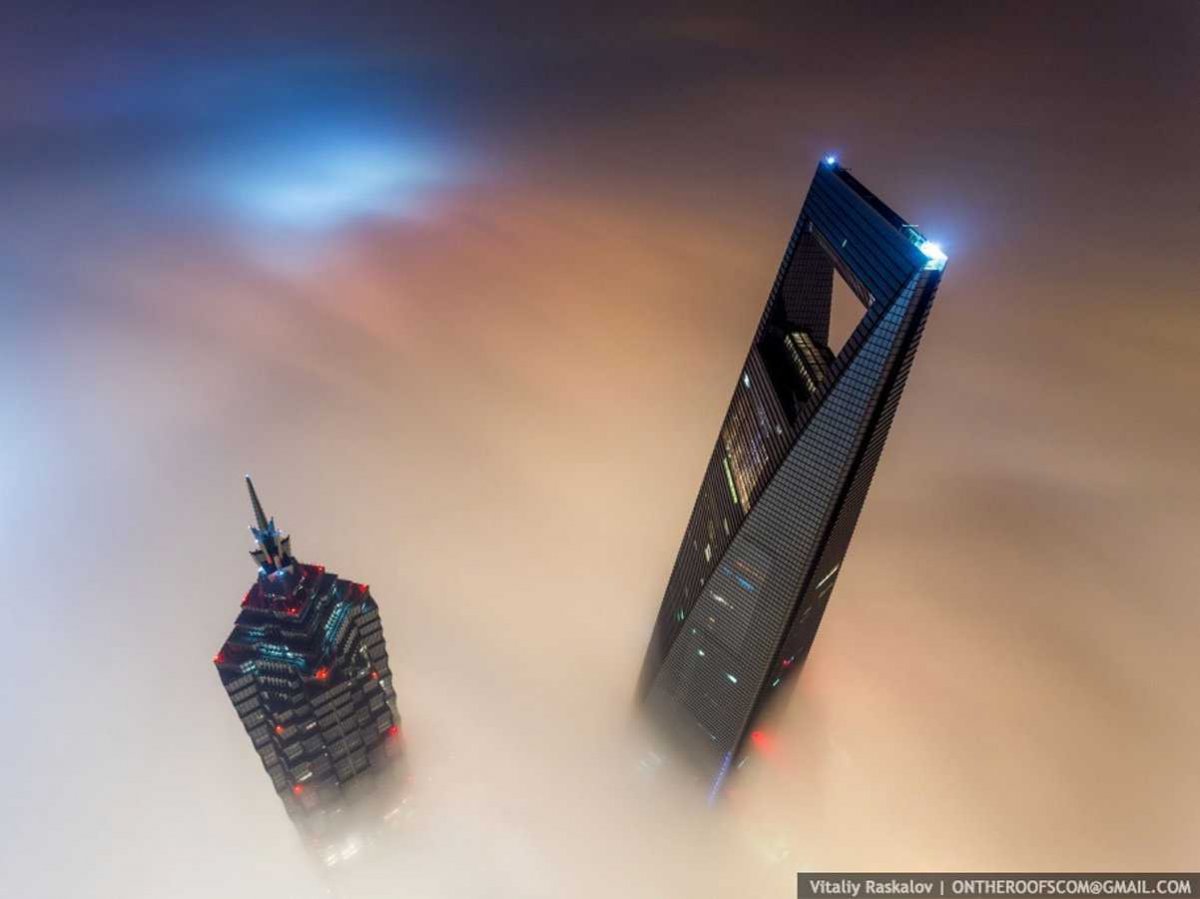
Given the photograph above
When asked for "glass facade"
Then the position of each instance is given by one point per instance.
(790, 470)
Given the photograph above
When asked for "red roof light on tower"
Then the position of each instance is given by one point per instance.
(322, 673)
(763, 742)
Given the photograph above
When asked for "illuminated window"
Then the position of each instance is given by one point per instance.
(832, 571)
(729, 479)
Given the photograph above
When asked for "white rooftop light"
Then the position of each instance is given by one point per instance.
(937, 257)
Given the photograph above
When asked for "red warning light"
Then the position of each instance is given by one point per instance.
(297, 789)
(374, 675)
(219, 658)
(322, 674)
(279, 729)
(394, 731)
(763, 742)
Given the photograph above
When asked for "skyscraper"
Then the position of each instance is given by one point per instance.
(786, 481)
(307, 671)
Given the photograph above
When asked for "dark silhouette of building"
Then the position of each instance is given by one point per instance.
(307, 671)
(787, 479)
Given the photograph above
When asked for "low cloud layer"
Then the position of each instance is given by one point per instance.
(493, 404)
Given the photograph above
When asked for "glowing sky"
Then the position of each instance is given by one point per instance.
(467, 295)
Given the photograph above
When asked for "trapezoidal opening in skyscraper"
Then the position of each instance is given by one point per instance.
(790, 470)
(845, 314)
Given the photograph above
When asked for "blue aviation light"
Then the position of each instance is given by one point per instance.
(831, 159)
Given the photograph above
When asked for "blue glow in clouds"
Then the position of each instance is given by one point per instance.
(306, 181)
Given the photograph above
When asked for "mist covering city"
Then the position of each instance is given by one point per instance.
(468, 296)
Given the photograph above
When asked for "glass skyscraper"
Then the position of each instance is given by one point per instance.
(790, 470)
(307, 671)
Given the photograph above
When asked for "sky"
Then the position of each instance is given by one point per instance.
(467, 292)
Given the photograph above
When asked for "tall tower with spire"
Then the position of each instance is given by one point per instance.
(307, 671)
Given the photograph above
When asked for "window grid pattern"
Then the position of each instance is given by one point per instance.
(717, 683)
(785, 487)
(306, 668)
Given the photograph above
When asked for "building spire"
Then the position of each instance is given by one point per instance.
(259, 515)
(274, 552)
